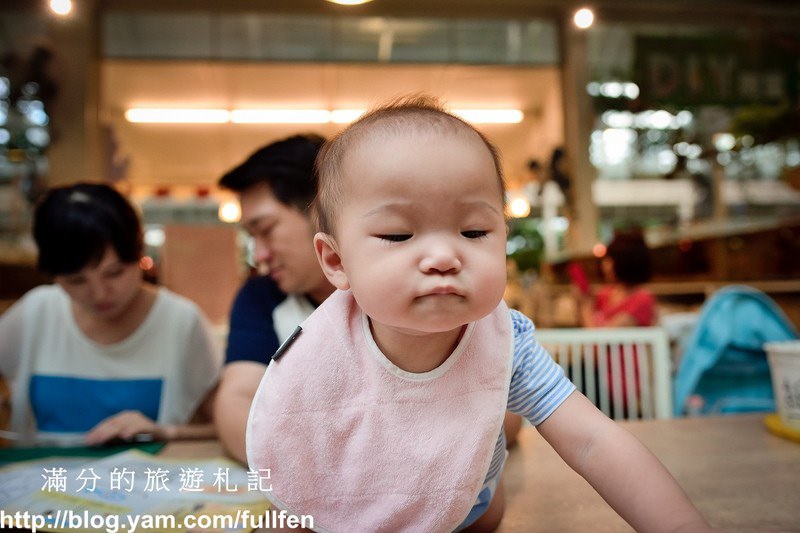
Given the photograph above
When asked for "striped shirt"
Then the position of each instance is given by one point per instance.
(538, 387)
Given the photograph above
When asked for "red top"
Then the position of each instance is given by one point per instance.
(640, 304)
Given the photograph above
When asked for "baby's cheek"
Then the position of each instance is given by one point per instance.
(378, 292)
(493, 285)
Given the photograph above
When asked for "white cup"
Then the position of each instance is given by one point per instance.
(784, 366)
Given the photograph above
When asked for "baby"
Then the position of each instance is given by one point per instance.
(384, 412)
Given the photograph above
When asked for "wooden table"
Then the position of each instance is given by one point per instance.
(741, 477)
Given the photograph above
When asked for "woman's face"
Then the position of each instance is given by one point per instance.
(105, 290)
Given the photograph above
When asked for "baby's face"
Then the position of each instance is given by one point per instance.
(421, 233)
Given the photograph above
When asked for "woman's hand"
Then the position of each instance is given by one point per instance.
(125, 425)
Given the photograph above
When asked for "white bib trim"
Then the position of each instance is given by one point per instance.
(415, 376)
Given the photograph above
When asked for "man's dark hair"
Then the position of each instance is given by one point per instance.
(74, 225)
(287, 166)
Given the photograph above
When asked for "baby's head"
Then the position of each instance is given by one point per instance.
(411, 116)
(410, 213)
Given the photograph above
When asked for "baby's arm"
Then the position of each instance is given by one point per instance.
(622, 470)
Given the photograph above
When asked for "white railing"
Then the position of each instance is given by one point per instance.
(625, 372)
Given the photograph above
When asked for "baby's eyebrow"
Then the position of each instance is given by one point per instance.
(479, 204)
(405, 208)
(399, 208)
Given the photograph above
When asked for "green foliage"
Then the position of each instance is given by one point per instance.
(525, 244)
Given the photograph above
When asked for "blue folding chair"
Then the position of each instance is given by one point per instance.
(724, 367)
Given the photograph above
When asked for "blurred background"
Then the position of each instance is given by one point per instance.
(680, 117)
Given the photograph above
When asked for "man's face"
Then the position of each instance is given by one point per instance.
(283, 238)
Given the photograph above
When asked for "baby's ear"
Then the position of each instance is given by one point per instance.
(329, 260)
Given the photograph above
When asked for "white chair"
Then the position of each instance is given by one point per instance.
(635, 356)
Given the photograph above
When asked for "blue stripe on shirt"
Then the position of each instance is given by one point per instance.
(538, 387)
(538, 384)
(69, 404)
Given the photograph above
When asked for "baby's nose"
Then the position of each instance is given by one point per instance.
(441, 258)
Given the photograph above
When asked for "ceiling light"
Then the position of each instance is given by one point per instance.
(490, 116)
(583, 18)
(280, 116)
(177, 116)
(345, 116)
(349, 2)
(293, 116)
(61, 7)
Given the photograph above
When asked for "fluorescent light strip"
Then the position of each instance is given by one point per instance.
(349, 2)
(294, 116)
(345, 116)
(280, 116)
(177, 116)
(490, 116)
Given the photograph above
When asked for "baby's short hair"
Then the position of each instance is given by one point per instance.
(397, 115)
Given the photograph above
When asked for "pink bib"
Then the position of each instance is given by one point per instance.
(362, 445)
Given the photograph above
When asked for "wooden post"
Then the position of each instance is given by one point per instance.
(75, 151)
(578, 124)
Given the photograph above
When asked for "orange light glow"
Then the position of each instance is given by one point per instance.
(599, 250)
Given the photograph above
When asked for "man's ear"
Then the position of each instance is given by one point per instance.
(329, 260)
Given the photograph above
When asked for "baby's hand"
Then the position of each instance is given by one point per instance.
(124, 426)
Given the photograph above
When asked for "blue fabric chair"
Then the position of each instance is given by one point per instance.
(724, 362)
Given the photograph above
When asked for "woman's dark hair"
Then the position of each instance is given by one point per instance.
(631, 257)
(74, 225)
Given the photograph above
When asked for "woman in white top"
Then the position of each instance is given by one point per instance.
(101, 354)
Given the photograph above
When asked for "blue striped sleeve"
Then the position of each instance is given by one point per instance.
(538, 383)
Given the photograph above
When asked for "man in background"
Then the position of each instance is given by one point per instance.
(275, 186)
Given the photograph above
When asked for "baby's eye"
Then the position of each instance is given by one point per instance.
(474, 234)
(395, 237)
